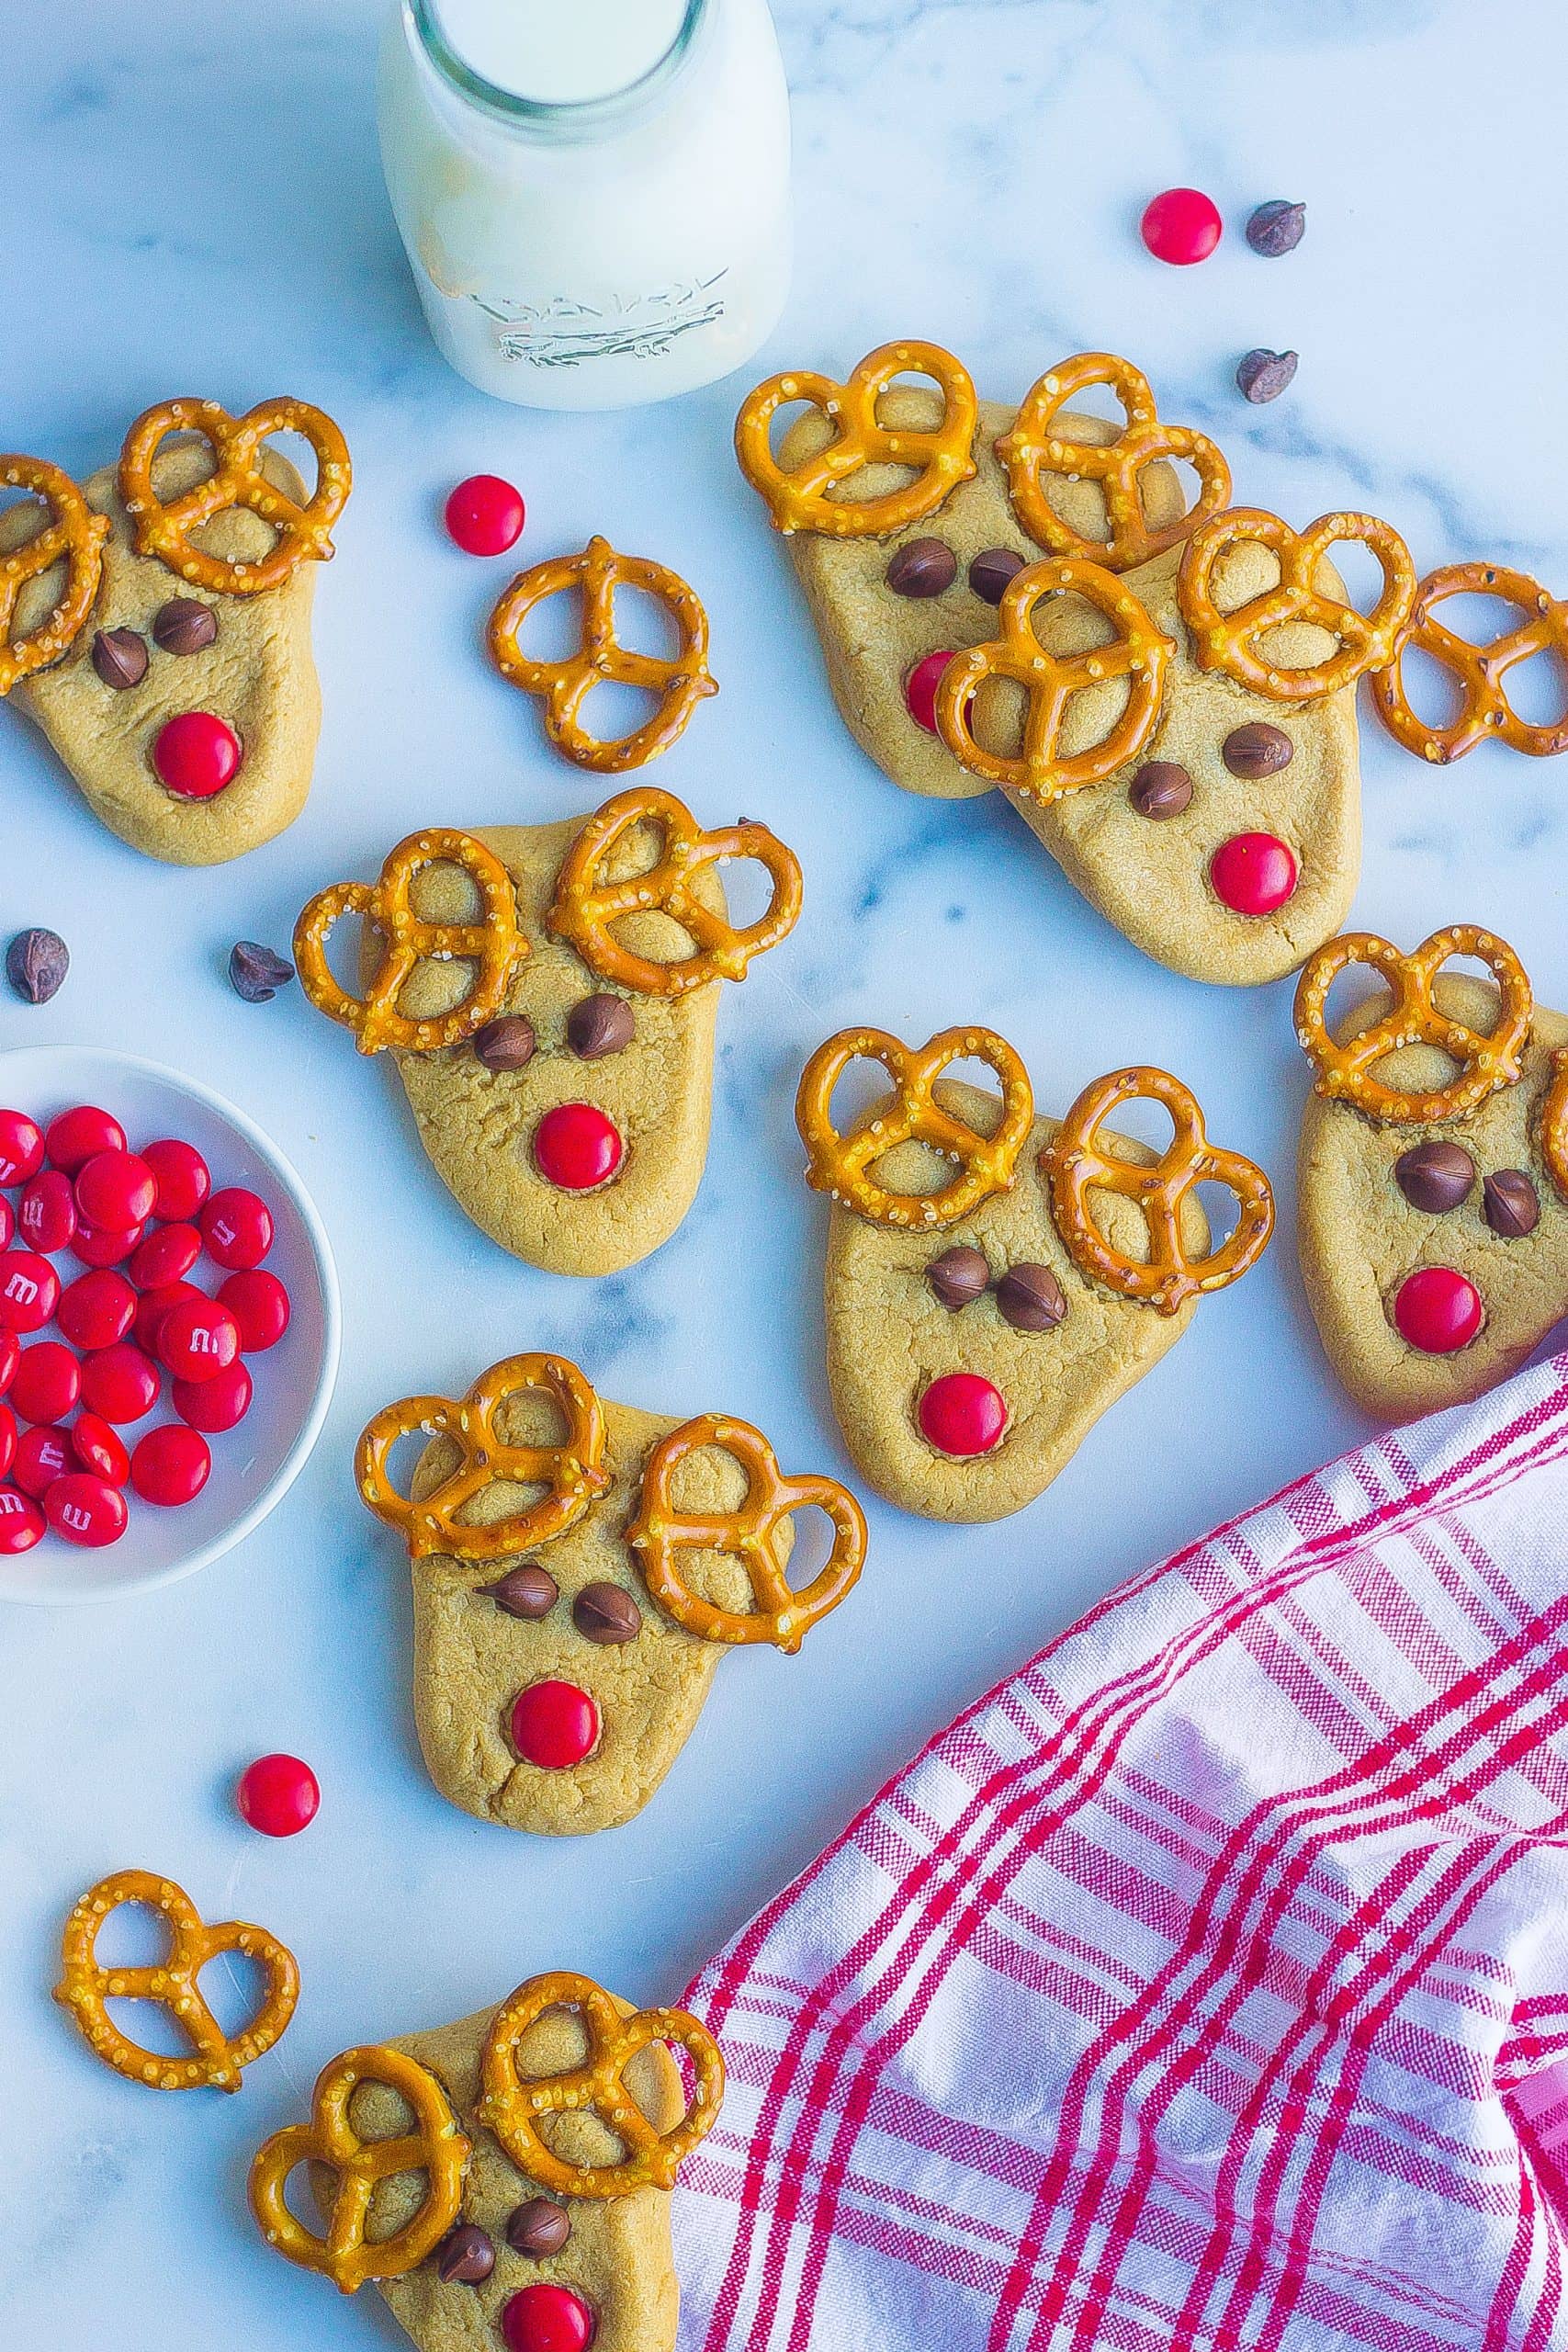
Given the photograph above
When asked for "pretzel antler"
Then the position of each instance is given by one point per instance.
(941, 455)
(1230, 641)
(74, 535)
(168, 530)
(1484, 1063)
(842, 1165)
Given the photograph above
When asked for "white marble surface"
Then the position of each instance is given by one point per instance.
(195, 204)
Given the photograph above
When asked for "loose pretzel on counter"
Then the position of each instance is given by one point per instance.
(1033, 448)
(436, 2147)
(587, 907)
(573, 1473)
(1485, 1063)
(661, 1530)
(74, 535)
(842, 1165)
(679, 683)
(941, 455)
(494, 943)
(513, 2107)
(167, 529)
(1075, 1163)
(86, 1985)
(1480, 670)
(1228, 641)
(1042, 771)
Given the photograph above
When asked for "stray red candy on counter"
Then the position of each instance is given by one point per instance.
(278, 1795)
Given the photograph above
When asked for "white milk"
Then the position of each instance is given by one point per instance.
(594, 194)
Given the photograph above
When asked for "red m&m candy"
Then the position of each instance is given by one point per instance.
(8, 1440)
(576, 1146)
(21, 1147)
(164, 1256)
(10, 1356)
(21, 1522)
(259, 1304)
(1252, 874)
(554, 1725)
(278, 1795)
(47, 1210)
(485, 515)
(97, 1309)
(41, 1457)
(86, 1510)
(29, 1291)
(236, 1227)
(181, 1175)
(961, 1414)
(98, 1245)
(1181, 225)
(921, 685)
(194, 755)
(7, 1223)
(151, 1308)
(197, 1339)
(121, 1382)
(99, 1448)
(545, 2318)
(170, 1464)
(47, 1382)
(1437, 1310)
(115, 1190)
(214, 1405)
(72, 1138)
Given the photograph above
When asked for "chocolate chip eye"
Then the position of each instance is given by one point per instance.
(992, 572)
(922, 567)
(1434, 1177)
(526, 1591)
(1161, 788)
(600, 1025)
(1031, 1298)
(606, 1612)
(1510, 1204)
(184, 624)
(1257, 750)
(959, 1277)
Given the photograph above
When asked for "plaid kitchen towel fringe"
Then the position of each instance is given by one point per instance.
(1206, 1985)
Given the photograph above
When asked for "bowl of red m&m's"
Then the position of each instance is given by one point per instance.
(169, 1325)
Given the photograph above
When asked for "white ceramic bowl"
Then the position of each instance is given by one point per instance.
(255, 1465)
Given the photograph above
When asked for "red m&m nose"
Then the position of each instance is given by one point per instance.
(554, 1725)
(961, 1414)
(1437, 1310)
(1181, 225)
(1253, 873)
(545, 2318)
(576, 1146)
(195, 755)
(921, 685)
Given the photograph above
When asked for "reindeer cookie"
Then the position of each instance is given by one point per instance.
(1434, 1170)
(1024, 601)
(549, 994)
(579, 1569)
(993, 1280)
(156, 623)
(505, 2182)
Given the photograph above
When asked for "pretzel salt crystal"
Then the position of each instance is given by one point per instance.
(1480, 670)
(72, 534)
(941, 455)
(167, 529)
(842, 1165)
(1229, 641)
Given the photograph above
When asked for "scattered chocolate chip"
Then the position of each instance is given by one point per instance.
(1257, 750)
(1031, 1298)
(36, 965)
(184, 626)
(119, 657)
(526, 1591)
(600, 1025)
(991, 571)
(257, 972)
(1161, 788)
(1510, 1204)
(959, 1277)
(1264, 375)
(1435, 1176)
(465, 2256)
(922, 567)
(1277, 228)
(607, 1613)
(505, 1043)
(541, 2227)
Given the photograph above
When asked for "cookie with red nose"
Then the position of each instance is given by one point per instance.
(549, 994)
(580, 1567)
(177, 682)
(993, 1280)
(1434, 1168)
(1018, 621)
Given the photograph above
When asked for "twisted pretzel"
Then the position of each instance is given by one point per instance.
(167, 531)
(494, 943)
(573, 1472)
(1485, 1063)
(842, 1165)
(85, 1987)
(680, 683)
(75, 537)
(661, 1530)
(586, 908)
(1074, 1164)
(942, 455)
(1554, 1122)
(436, 2147)
(513, 2107)
(1481, 670)
(1139, 653)
(1227, 641)
(1031, 448)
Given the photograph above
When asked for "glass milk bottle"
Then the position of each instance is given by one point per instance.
(594, 194)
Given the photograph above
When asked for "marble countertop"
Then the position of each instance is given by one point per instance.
(196, 204)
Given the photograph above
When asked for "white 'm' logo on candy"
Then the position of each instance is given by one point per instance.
(75, 1516)
(21, 1289)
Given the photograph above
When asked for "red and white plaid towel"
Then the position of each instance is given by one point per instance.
(1206, 1985)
